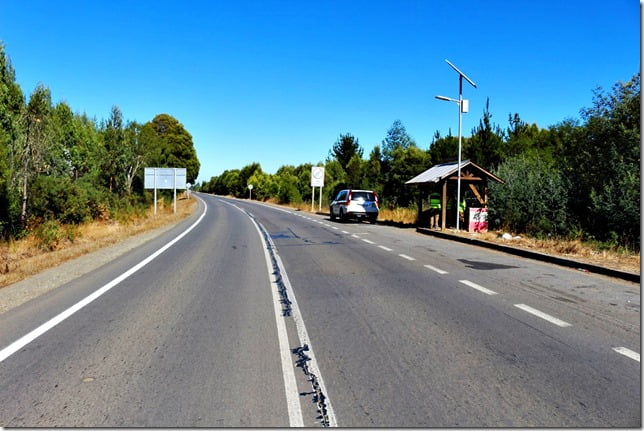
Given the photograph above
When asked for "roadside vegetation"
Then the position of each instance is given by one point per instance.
(577, 181)
(63, 174)
(65, 178)
(52, 243)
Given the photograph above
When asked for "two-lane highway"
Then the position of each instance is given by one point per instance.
(403, 330)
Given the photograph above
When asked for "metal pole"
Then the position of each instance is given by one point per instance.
(312, 198)
(320, 199)
(174, 186)
(155, 191)
(458, 181)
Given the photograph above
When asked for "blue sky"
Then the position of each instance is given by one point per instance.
(277, 82)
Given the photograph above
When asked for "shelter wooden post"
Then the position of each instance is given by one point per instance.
(440, 175)
(444, 205)
(420, 206)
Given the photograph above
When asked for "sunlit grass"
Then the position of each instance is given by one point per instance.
(25, 257)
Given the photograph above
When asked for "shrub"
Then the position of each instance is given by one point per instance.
(49, 234)
(533, 199)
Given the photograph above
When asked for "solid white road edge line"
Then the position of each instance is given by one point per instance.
(477, 287)
(302, 333)
(543, 315)
(31, 336)
(628, 353)
(290, 386)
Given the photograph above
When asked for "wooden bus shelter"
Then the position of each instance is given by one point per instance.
(443, 178)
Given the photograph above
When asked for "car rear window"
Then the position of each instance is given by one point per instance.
(365, 196)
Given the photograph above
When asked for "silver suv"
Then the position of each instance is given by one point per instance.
(356, 204)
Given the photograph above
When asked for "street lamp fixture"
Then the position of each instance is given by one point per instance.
(463, 107)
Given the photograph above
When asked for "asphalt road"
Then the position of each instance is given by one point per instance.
(402, 330)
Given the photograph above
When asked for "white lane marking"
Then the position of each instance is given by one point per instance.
(368, 241)
(353, 235)
(288, 374)
(334, 227)
(345, 232)
(478, 287)
(628, 353)
(404, 256)
(292, 393)
(433, 268)
(385, 248)
(31, 336)
(543, 315)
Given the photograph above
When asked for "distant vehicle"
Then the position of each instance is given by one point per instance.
(356, 204)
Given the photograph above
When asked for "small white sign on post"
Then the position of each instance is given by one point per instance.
(166, 179)
(250, 192)
(317, 180)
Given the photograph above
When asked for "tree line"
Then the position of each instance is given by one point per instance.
(63, 167)
(578, 179)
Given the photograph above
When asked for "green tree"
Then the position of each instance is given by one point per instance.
(335, 178)
(372, 178)
(345, 148)
(486, 143)
(405, 164)
(171, 145)
(31, 153)
(397, 138)
(11, 108)
(287, 183)
(113, 140)
(245, 174)
(443, 149)
(522, 138)
(134, 156)
(601, 157)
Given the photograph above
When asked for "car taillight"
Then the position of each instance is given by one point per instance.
(375, 195)
(348, 198)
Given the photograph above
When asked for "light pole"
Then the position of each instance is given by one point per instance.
(463, 106)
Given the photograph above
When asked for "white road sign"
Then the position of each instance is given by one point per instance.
(317, 176)
(166, 178)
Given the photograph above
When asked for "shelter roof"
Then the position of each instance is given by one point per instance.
(443, 171)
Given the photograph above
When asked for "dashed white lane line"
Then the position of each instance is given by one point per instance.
(433, 268)
(353, 235)
(384, 248)
(477, 287)
(368, 241)
(334, 227)
(628, 353)
(345, 232)
(543, 315)
(404, 256)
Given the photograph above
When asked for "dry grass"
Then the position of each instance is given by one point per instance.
(572, 249)
(23, 258)
(398, 215)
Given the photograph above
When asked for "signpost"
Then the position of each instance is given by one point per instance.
(317, 180)
(250, 192)
(165, 179)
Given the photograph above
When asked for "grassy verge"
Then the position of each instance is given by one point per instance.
(52, 244)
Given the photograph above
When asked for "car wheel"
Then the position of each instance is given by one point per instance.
(373, 219)
(343, 216)
(332, 215)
